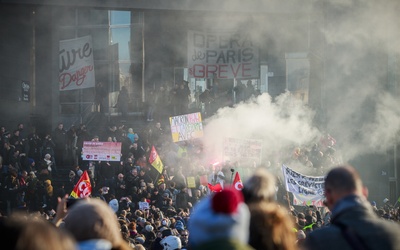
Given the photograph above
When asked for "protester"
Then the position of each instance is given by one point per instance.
(354, 225)
(93, 224)
(21, 232)
(271, 227)
(220, 221)
(259, 187)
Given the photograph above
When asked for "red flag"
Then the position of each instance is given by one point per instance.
(237, 182)
(83, 188)
(216, 188)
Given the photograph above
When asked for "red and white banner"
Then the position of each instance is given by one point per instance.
(222, 55)
(83, 188)
(101, 151)
(76, 66)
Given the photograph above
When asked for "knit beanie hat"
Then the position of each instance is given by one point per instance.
(222, 215)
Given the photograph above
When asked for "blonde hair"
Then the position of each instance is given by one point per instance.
(271, 227)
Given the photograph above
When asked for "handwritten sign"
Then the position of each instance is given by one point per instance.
(101, 151)
(76, 67)
(224, 55)
(186, 127)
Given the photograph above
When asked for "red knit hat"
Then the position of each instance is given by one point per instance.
(226, 201)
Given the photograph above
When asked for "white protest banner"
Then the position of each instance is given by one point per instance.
(76, 67)
(186, 127)
(306, 190)
(101, 151)
(222, 55)
(245, 150)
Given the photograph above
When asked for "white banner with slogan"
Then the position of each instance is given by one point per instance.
(306, 190)
(101, 151)
(222, 55)
(76, 66)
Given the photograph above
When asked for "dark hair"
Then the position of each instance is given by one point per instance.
(343, 179)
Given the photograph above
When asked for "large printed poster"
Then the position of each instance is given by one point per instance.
(222, 55)
(101, 151)
(186, 127)
(76, 67)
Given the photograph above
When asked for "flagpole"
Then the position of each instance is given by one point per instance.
(232, 172)
(156, 179)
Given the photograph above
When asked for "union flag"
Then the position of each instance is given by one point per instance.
(83, 188)
(237, 182)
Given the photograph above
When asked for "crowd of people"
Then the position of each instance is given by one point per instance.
(133, 206)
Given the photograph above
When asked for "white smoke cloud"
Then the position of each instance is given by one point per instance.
(279, 125)
(359, 104)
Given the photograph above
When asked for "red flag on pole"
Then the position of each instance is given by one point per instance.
(237, 182)
(216, 188)
(83, 188)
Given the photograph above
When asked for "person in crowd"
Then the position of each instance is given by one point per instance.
(354, 225)
(100, 94)
(22, 232)
(261, 186)
(220, 221)
(271, 227)
(123, 102)
(32, 192)
(82, 135)
(60, 141)
(151, 104)
(131, 135)
(171, 243)
(35, 146)
(72, 145)
(92, 223)
(120, 187)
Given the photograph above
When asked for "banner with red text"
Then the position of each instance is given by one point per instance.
(76, 67)
(101, 151)
(222, 55)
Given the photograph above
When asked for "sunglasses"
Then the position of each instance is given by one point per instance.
(184, 235)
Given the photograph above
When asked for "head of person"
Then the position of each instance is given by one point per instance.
(271, 227)
(120, 176)
(259, 187)
(30, 232)
(171, 243)
(93, 219)
(340, 182)
(221, 216)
